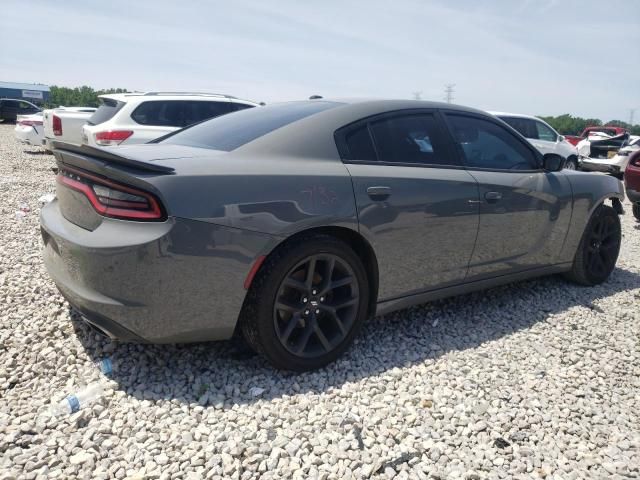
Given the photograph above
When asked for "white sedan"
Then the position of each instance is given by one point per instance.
(30, 129)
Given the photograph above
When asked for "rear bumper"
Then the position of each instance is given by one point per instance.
(175, 281)
(28, 136)
(615, 165)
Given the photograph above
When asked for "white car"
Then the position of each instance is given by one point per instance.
(64, 124)
(541, 135)
(30, 129)
(128, 118)
(609, 161)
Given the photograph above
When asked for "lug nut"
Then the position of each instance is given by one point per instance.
(317, 311)
(314, 292)
(322, 299)
(305, 300)
(306, 312)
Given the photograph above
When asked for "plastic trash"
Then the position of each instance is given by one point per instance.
(23, 210)
(46, 198)
(106, 366)
(256, 391)
(77, 401)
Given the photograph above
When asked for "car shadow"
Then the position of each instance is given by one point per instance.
(36, 152)
(223, 373)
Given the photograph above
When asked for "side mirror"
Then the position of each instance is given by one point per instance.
(552, 162)
(561, 138)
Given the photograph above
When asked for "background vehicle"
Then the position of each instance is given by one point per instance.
(10, 109)
(129, 118)
(611, 131)
(598, 155)
(297, 221)
(64, 124)
(30, 130)
(542, 136)
(632, 182)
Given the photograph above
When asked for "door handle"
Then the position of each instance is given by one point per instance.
(379, 192)
(492, 197)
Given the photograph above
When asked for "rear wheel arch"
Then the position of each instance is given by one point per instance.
(358, 244)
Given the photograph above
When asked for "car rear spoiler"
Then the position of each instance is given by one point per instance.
(60, 148)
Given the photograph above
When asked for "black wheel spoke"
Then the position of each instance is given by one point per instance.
(295, 284)
(343, 282)
(323, 340)
(311, 270)
(344, 303)
(287, 306)
(304, 338)
(291, 324)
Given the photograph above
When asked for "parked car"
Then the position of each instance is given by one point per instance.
(601, 153)
(64, 124)
(295, 222)
(10, 108)
(610, 131)
(632, 182)
(30, 130)
(129, 118)
(542, 136)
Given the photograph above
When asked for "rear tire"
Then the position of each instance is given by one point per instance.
(306, 304)
(636, 211)
(599, 248)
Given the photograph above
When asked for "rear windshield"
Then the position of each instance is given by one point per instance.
(106, 111)
(232, 131)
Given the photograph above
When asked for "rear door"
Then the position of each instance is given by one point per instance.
(524, 210)
(416, 203)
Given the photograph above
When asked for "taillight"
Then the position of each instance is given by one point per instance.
(110, 198)
(30, 123)
(112, 137)
(57, 126)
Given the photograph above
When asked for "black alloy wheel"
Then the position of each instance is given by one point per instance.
(316, 305)
(307, 303)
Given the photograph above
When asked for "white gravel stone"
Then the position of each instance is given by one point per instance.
(528, 380)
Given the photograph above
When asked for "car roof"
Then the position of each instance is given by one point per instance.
(151, 96)
(517, 115)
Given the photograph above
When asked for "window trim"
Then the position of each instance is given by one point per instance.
(340, 137)
(548, 127)
(510, 130)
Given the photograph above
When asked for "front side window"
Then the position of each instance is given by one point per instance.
(488, 145)
(545, 133)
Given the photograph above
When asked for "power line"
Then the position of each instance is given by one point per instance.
(449, 90)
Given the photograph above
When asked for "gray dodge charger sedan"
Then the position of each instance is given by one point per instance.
(295, 222)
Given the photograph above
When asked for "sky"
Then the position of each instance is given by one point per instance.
(541, 57)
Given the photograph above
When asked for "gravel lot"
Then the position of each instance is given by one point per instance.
(533, 380)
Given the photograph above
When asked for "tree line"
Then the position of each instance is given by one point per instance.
(77, 97)
(86, 96)
(569, 125)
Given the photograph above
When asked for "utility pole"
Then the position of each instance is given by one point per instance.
(449, 90)
(632, 112)
(417, 95)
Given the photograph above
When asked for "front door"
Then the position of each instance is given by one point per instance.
(524, 210)
(416, 204)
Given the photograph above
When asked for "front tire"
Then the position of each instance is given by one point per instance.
(571, 164)
(307, 304)
(599, 248)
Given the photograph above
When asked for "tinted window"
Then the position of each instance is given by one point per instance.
(360, 145)
(229, 132)
(488, 145)
(164, 113)
(410, 139)
(524, 126)
(241, 106)
(545, 133)
(195, 111)
(105, 112)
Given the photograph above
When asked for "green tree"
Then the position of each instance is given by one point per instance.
(83, 96)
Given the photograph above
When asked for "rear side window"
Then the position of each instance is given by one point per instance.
(159, 113)
(488, 145)
(195, 111)
(360, 145)
(229, 132)
(410, 139)
(106, 111)
(524, 126)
